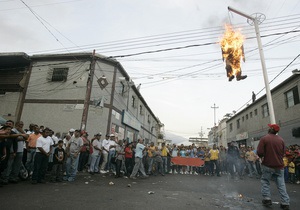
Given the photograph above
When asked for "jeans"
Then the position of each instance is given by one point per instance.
(252, 168)
(278, 175)
(30, 159)
(94, 166)
(138, 166)
(72, 164)
(165, 163)
(13, 166)
(159, 168)
(40, 166)
(111, 166)
(150, 164)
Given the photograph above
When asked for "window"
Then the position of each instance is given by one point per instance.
(122, 89)
(141, 110)
(292, 97)
(251, 115)
(255, 112)
(243, 119)
(59, 74)
(238, 124)
(133, 102)
(149, 118)
(265, 110)
(230, 127)
(247, 116)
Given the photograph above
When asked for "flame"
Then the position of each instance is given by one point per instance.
(233, 51)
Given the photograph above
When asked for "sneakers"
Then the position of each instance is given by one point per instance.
(132, 177)
(71, 179)
(298, 182)
(103, 172)
(285, 207)
(267, 202)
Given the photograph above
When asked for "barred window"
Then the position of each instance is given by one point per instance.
(59, 74)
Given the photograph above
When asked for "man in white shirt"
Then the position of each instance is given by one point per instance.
(96, 155)
(43, 150)
(105, 151)
(112, 153)
(139, 166)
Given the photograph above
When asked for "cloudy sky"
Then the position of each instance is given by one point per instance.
(170, 47)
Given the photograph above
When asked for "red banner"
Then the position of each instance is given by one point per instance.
(186, 161)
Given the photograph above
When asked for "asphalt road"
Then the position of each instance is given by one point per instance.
(169, 192)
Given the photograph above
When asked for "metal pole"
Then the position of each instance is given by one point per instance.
(263, 64)
(215, 107)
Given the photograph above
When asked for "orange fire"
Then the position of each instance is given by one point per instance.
(232, 52)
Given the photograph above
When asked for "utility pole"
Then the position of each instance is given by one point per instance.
(88, 93)
(215, 124)
(262, 59)
(215, 107)
(201, 134)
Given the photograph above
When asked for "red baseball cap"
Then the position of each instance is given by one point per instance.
(275, 127)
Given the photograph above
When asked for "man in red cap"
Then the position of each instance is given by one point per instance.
(271, 149)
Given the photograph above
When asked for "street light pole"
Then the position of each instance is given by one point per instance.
(215, 107)
(262, 59)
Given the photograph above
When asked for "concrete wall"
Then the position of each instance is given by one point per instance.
(8, 105)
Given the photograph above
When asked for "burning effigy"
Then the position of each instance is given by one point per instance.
(233, 52)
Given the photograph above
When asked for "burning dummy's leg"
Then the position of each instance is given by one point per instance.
(229, 72)
(239, 75)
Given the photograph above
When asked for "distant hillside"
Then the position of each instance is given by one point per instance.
(176, 139)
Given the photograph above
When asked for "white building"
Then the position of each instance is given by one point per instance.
(78, 90)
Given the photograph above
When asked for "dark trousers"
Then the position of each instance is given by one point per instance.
(83, 159)
(129, 165)
(56, 173)
(214, 163)
(40, 166)
(118, 167)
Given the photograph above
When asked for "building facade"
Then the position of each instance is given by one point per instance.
(250, 124)
(78, 90)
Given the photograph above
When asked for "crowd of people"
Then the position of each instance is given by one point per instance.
(43, 152)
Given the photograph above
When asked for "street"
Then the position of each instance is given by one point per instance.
(156, 192)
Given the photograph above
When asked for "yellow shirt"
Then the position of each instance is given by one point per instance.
(150, 154)
(285, 161)
(214, 154)
(164, 152)
(206, 157)
(291, 168)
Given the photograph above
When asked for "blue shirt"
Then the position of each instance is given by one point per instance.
(139, 150)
